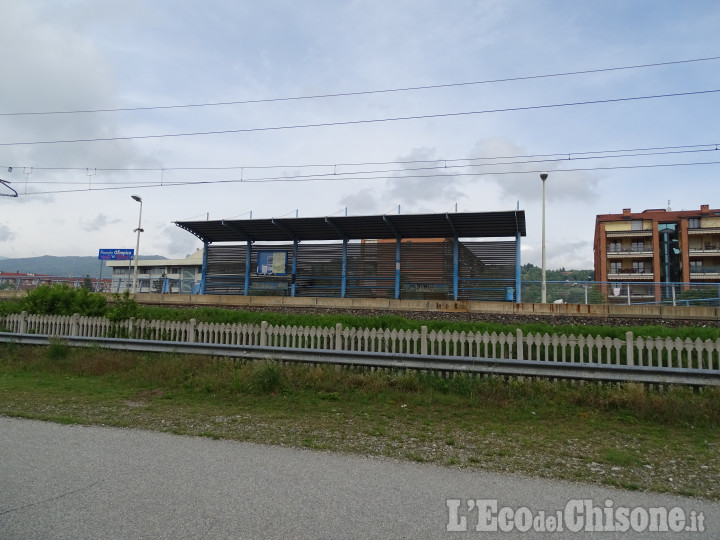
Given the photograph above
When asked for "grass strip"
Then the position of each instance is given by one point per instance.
(628, 435)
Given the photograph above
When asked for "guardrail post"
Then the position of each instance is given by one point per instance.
(191, 330)
(423, 340)
(519, 344)
(338, 337)
(630, 349)
(263, 333)
(23, 322)
(75, 325)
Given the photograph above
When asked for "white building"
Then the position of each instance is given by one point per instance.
(159, 275)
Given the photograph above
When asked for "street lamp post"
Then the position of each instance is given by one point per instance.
(137, 245)
(543, 290)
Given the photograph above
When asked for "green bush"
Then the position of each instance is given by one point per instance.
(125, 307)
(60, 299)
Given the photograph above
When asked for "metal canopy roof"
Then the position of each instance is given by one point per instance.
(463, 225)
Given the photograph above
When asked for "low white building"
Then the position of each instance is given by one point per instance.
(159, 275)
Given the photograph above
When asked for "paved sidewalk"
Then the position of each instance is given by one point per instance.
(61, 481)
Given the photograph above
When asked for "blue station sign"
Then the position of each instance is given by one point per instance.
(116, 254)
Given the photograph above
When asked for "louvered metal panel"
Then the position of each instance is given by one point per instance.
(371, 270)
(487, 270)
(225, 270)
(319, 270)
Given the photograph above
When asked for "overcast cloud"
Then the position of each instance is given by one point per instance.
(83, 54)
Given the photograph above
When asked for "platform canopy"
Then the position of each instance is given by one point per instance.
(460, 225)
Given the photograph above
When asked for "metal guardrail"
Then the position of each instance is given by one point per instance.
(485, 366)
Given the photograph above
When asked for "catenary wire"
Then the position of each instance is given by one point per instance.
(444, 167)
(565, 156)
(365, 121)
(354, 178)
(364, 92)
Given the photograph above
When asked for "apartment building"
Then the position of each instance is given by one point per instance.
(159, 275)
(658, 246)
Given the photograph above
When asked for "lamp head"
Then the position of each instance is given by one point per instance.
(543, 176)
(137, 198)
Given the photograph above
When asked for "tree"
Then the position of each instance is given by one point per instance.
(87, 284)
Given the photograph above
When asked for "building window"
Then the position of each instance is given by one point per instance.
(694, 223)
(637, 246)
(636, 225)
(615, 246)
(638, 267)
(696, 266)
(615, 267)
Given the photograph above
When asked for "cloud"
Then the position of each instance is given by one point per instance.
(439, 184)
(178, 243)
(98, 222)
(6, 233)
(570, 254)
(361, 202)
(519, 177)
(56, 68)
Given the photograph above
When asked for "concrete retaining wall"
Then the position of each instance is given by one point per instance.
(460, 306)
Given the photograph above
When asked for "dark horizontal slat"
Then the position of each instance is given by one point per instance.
(466, 225)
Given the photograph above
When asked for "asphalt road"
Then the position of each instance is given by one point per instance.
(61, 481)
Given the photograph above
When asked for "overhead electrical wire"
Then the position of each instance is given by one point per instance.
(365, 121)
(442, 166)
(362, 92)
(339, 178)
(560, 156)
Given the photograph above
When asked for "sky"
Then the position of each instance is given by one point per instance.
(284, 151)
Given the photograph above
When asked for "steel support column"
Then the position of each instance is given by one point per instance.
(203, 275)
(343, 281)
(343, 277)
(294, 268)
(456, 266)
(397, 267)
(456, 257)
(518, 277)
(248, 256)
(398, 240)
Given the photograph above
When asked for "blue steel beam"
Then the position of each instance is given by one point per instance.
(343, 280)
(248, 257)
(280, 225)
(203, 278)
(456, 256)
(518, 276)
(294, 269)
(398, 240)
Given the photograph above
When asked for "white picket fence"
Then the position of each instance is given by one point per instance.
(631, 351)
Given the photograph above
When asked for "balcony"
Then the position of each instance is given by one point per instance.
(630, 275)
(705, 272)
(629, 234)
(708, 249)
(627, 253)
(706, 230)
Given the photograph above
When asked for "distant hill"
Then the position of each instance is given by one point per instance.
(59, 266)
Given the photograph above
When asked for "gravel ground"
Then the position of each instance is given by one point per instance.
(455, 316)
